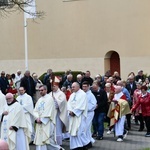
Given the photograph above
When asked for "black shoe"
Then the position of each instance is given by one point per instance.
(31, 143)
(99, 138)
(89, 145)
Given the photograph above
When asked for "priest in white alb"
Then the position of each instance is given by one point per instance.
(14, 127)
(77, 110)
(26, 102)
(61, 107)
(45, 118)
(92, 102)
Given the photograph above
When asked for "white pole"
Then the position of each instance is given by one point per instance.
(25, 42)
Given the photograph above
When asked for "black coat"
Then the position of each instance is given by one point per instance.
(4, 84)
(131, 90)
(102, 100)
(28, 84)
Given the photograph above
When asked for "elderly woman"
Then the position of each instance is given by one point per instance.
(138, 111)
(144, 101)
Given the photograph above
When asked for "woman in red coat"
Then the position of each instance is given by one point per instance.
(144, 101)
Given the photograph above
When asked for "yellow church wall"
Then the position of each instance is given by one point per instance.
(77, 35)
(95, 65)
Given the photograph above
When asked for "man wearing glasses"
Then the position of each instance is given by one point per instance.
(45, 118)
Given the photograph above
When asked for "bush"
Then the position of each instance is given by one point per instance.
(61, 73)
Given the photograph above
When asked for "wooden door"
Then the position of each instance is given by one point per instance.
(114, 63)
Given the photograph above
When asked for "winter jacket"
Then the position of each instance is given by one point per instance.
(144, 101)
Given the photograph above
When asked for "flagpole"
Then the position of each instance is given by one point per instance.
(29, 11)
(25, 42)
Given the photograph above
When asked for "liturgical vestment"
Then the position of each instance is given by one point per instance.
(77, 124)
(45, 132)
(17, 140)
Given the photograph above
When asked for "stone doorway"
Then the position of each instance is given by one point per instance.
(112, 62)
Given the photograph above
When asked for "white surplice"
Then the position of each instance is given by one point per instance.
(90, 114)
(26, 102)
(15, 118)
(45, 134)
(77, 104)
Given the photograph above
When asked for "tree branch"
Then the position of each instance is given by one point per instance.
(9, 6)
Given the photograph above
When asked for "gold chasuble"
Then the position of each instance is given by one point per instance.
(118, 110)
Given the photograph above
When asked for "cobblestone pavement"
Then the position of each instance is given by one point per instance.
(134, 141)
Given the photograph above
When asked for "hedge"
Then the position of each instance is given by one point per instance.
(61, 73)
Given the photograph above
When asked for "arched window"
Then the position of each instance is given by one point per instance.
(112, 62)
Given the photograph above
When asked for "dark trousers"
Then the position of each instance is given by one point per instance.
(128, 117)
(147, 122)
(98, 124)
(141, 120)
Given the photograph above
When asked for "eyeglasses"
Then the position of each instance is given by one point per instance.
(41, 90)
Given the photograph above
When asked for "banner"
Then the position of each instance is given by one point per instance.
(30, 9)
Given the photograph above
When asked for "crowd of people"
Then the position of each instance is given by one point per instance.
(47, 112)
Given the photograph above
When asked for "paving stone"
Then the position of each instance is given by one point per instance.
(134, 141)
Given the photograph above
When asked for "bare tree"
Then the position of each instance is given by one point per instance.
(9, 6)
